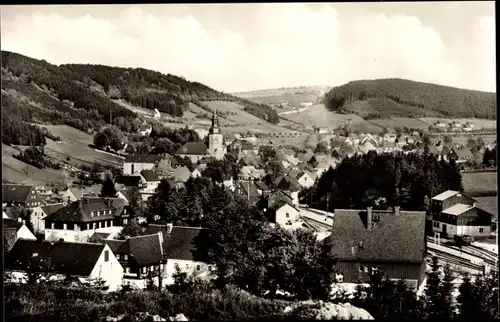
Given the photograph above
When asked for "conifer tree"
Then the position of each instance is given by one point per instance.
(466, 302)
(108, 188)
(432, 292)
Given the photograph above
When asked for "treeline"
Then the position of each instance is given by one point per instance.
(447, 101)
(14, 130)
(171, 93)
(36, 157)
(383, 180)
(66, 85)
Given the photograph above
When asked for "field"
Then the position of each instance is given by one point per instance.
(462, 139)
(478, 123)
(490, 204)
(14, 170)
(401, 122)
(480, 183)
(285, 94)
(75, 146)
(318, 115)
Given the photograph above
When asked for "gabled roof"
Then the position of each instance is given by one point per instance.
(50, 209)
(118, 246)
(64, 258)
(80, 211)
(149, 175)
(248, 189)
(288, 184)
(399, 238)
(463, 153)
(447, 194)
(261, 186)
(457, 209)
(142, 158)
(181, 243)
(146, 249)
(192, 148)
(15, 193)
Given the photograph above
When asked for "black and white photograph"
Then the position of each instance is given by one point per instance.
(249, 161)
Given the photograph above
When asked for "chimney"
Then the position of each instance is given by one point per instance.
(396, 210)
(170, 226)
(369, 218)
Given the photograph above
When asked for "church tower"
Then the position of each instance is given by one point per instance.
(216, 146)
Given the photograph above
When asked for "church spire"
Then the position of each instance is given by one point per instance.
(215, 123)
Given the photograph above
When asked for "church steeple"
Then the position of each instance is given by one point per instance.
(215, 123)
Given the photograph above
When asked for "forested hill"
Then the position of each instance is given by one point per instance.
(400, 97)
(82, 95)
(168, 93)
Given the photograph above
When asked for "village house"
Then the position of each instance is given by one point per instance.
(20, 195)
(157, 253)
(440, 124)
(150, 183)
(83, 262)
(392, 243)
(156, 114)
(248, 149)
(195, 151)
(181, 175)
(80, 219)
(250, 173)
(290, 186)
(14, 230)
(283, 213)
(455, 213)
(39, 213)
(135, 163)
(459, 155)
(248, 190)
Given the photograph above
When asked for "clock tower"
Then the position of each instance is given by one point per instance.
(216, 146)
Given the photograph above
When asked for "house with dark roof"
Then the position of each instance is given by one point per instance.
(248, 190)
(14, 230)
(290, 186)
(20, 195)
(392, 243)
(60, 260)
(460, 155)
(455, 213)
(156, 253)
(40, 212)
(195, 151)
(135, 163)
(81, 219)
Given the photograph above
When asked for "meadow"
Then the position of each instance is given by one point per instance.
(480, 183)
(490, 204)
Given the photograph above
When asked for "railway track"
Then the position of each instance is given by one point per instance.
(455, 260)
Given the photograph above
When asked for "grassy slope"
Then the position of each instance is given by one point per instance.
(318, 115)
(75, 145)
(478, 183)
(14, 170)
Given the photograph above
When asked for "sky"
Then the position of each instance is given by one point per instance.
(243, 47)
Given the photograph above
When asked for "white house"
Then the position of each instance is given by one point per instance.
(305, 179)
(135, 163)
(150, 183)
(196, 173)
(284, 214)
(82, 261)
(39, 213)
(14, 230)
(147, 131)
(455, 213)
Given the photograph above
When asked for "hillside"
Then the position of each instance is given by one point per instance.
(291, 96)
(404, 98)
(84, 96)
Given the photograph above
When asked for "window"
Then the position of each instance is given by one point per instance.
(177, 266)
(361, 268)
(127, 269)
(91, 214)
(287, 215)
(117, 256)
(106, 255)
(125, 257)
(65, 226)
(481, 230)
(375, 270)
(197, 267)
